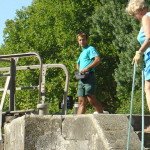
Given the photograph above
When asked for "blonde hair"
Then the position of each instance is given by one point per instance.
(135, 6)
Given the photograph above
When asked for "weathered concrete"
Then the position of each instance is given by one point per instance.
(70, 132)
(1, 145)
(115, 128)
(81, 128)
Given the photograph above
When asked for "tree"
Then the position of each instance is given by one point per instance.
(107, 33)
(124, 72)
(49, 28)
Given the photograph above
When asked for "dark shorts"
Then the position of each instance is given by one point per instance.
(87, 86)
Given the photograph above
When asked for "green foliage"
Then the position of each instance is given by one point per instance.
(49, 27)
(137, 105)
(124, 72)
(108, 30)
(114, 33)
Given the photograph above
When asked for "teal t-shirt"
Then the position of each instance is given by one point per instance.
(86, 57)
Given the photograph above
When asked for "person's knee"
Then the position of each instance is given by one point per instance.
(92, 100)
(147, 88)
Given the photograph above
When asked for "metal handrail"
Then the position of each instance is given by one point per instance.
(4, 58)
(11, 56)
(64, 110)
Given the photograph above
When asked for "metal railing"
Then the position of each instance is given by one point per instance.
(40, 87)
(11, 59)
(10, 84)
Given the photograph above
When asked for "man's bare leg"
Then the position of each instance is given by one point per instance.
(82, 105)
(95, 103)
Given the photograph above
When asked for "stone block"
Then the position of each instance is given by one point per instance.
(69, 132)
(115, 129)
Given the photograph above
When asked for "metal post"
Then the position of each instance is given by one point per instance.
(43, 109)
(12, 85)
(76, 106)
(64, 109)
(43, 84)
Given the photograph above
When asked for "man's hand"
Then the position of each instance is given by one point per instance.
(84, 70)
(137, 58)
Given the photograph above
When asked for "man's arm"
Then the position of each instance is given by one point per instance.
(95, 63)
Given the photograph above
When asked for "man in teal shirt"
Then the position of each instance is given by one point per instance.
(87, 61)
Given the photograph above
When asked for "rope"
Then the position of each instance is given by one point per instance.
(131, 106)
(142, 138)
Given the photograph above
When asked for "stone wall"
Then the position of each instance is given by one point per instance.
(69, 132)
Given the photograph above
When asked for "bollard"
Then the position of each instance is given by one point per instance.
(42, 108)
(69, 102)
(76, 106)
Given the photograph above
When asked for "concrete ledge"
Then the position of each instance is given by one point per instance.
(115, 129)
(69, 132)
(1, 145)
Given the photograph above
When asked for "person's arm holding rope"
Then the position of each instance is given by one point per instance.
(146, 27)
